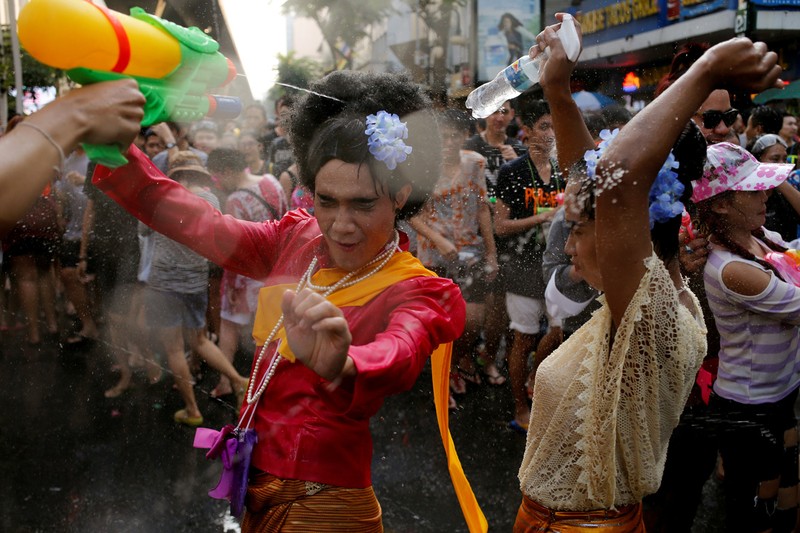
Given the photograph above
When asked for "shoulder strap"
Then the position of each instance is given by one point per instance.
(272, 211)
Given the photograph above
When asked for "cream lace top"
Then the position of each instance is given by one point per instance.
(602, 418)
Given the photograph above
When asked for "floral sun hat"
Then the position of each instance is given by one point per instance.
(732, 168)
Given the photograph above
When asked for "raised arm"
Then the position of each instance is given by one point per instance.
(630, 164)
(572, 135)
(105, 113)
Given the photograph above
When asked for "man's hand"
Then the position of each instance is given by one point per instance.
(447, 249)
(317, 332)
(109, 112)
(507, 151)
(164, 133)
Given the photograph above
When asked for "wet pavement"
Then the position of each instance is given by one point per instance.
(73, 460)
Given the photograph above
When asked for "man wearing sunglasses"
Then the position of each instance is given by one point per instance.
(716, 116)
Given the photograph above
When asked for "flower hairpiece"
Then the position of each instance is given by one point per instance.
(386, 134)
(666, 191)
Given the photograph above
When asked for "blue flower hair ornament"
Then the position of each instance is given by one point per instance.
(386, 134)
(666, 191)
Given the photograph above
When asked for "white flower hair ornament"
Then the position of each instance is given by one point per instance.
(666, 191)
(386, 134)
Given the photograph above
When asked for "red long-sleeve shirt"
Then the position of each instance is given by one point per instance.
(306, 430)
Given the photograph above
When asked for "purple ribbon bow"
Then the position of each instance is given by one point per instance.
(234, 447)
(222, 444)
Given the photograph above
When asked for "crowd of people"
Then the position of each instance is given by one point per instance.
(631, 279)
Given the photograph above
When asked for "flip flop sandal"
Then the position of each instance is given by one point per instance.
(182, 417)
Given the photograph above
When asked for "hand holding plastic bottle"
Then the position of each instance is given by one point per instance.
(522, 73)
(556, 62)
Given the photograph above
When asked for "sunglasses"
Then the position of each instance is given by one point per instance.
(712, 117)
(766, 141)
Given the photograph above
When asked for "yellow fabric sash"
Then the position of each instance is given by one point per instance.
(401, 267)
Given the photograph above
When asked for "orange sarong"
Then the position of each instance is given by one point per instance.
(293, 506)
(535, 518)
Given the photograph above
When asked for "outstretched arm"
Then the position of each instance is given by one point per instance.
(246, 248)
(640, 149)
(105, 113)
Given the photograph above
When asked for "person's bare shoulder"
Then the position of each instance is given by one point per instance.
(745, 279)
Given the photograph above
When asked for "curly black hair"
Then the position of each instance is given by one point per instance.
(690, 152)
(331, 125)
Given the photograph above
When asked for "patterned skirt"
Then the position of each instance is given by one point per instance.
(289, 505)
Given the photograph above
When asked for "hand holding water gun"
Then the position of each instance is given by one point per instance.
(693, 252)
(174, 66)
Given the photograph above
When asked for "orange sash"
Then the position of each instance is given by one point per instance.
(401, 266)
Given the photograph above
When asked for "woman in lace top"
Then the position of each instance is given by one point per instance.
(606, 401)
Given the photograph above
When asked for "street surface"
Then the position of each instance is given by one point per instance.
(73, 461)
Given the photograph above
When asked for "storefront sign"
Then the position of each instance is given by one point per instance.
(603, 21)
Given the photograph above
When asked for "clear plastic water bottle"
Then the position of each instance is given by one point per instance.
(519, 75)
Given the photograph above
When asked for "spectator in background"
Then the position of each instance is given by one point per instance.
(253, 198)
(527, 197)
(229, 140)
(781, 216)
(715, 116)
(251, 148)
(176, 298)
(738, 129)
(280, 154)
(595, 123)
(569, 299)
(205, 136)
(615, 116)
(299, 196)
(455, 240)
(493, 143)
(153, 144)
(71, 202)
(30, 249)
(788, 133)
(110, 251)
(174, 137)
(255, 119)
(763, 119)
(757, 310)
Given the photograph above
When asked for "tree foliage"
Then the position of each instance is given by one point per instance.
(343, 23)
(297, 71)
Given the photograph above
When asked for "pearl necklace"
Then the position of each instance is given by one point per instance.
(325, 290)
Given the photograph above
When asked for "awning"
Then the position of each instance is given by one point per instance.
(787, 93)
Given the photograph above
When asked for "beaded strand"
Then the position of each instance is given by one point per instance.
(305, 281)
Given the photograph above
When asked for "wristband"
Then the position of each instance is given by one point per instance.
(59, 169)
